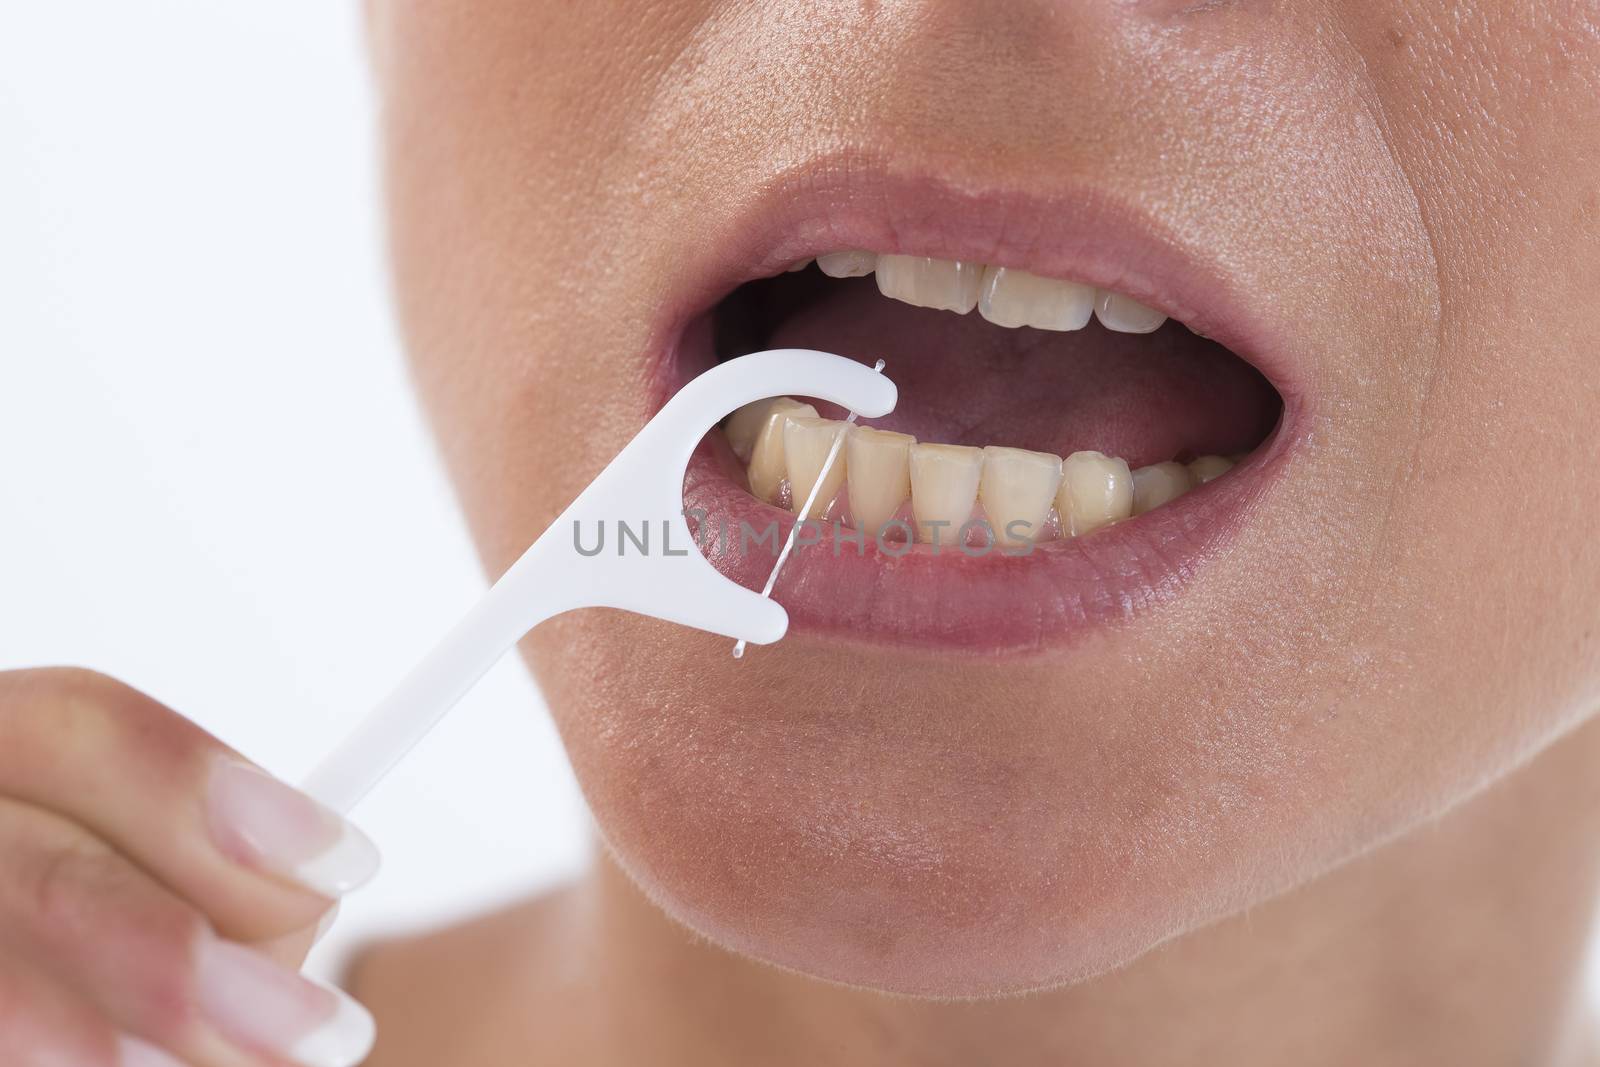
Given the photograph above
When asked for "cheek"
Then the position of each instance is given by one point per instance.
(1487, 572)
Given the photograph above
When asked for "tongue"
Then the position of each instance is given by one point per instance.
(962, 380)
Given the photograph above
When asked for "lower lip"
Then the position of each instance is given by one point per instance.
(958, 599)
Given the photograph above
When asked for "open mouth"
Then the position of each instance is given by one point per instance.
(1062, 454)
(1031, 408)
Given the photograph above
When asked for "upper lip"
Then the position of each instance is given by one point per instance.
(1078, 232)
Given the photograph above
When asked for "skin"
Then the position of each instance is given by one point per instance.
(1336, 803)
(112, 881)
(1408, 618)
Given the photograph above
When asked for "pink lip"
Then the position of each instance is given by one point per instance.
(995, 602)
(951, 599)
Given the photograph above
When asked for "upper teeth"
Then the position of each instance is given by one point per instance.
(1003, 295)
(947, 284)
(847, 264)
(1017, 298)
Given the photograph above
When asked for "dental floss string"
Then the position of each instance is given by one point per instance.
(805, 509)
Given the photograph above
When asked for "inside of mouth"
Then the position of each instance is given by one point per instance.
(1159, 400)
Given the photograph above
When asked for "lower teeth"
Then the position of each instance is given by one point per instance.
(883, 481)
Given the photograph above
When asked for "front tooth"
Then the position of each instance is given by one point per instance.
(1125, 314)
(746, 424)
(945, 284)
(1206, 468)
(880, 476)
(1014, 298)
(1096, 490)
(1157, 484)
(847, 264)
(944, 486)
(806, 443)
(802, 265)
(767, 463)
(1018, 487)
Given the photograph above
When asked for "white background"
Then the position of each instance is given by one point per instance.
(213, 481)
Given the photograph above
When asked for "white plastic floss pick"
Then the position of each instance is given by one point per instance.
(674, 582)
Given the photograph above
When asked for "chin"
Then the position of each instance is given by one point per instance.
(924, 825)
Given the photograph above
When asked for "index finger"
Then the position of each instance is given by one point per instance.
(259, 858)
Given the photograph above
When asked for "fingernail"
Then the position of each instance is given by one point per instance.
(131, 1052)
(259, 820)
(265, 1007)
(325, 924)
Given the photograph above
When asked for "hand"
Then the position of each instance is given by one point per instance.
(157, 891)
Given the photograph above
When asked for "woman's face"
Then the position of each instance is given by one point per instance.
(964, 775)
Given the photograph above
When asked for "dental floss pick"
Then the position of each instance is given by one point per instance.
(805, 509)
(557, 574)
